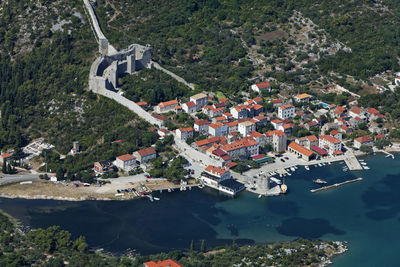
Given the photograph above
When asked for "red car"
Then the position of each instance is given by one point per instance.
(286, 158)
(148, 176)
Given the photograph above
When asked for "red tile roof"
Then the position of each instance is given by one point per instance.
(190, 104)
(380, 136)
(356, 110)
(276, 101)
(219, 171)
(333, 132)
(168, 103)
(312, 138)
(5, 155)
(126, 157)
(330, 139)
(373, 111)
(201, 122)
(188, 129)
(286, 106)
(319, 150)
(300, 149)
(146, 151)
(363, 139)
(207, 141)
(230, 165)
(216, 125)
(164, 263)
(263, 85)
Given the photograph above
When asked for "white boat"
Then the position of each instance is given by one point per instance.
(307, 168)
(363, 163)
(387, 156)
(289, 174)
(316, 165)
(361, 160)
(259, 196)
(169, 190)
(292, 169)
(319, 164)
(329, 163)
(319, 181)
(156, 198)
(275, 180)
(366, 167)
(280, 175)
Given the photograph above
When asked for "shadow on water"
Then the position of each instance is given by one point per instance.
(284, 207)
(164, 225)
(307, 228)
(382, 199)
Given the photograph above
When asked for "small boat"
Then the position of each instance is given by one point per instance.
(387, 156)
(319, 181)
(277, 181)
(363, 163)
(169, 190)
(259, 196)
(316, 165)
(366, 167)
(283, 189)
(361, 160)
(307, 168)
(292, 169)
(156, 198)
(289, 174)
(319, 164)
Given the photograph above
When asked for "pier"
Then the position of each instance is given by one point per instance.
(352, 162)
(335, 185)
(387, 153)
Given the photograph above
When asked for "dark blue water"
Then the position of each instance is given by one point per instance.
(366, 214)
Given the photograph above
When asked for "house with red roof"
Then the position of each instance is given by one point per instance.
(145, 155)
(184, 133)
(379, 137)
(339, 112)
(233, 126)
(263, 86)
(355, 112)
(189, 107)
(301, 151)
(276, 103)
(201, 126)
(5, 156)
(164, 263)
(330, 144)
(286, 111)
(278, 140)
(125, 162)
(220, 178)
(166, 106)
(208, 142)
(218, 129)
(276, 123)
(363, 140)
(336, 134)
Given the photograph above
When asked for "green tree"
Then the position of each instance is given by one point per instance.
(192, 246)
(4, 167)
(203, 247)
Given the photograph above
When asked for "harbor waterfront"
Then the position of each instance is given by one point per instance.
(366, 214)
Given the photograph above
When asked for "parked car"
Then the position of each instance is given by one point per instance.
(286, 158)
(282, 160)
(148, 176)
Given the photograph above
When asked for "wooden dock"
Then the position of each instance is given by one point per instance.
(335, 185)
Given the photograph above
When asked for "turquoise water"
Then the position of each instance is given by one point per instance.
(366, 214)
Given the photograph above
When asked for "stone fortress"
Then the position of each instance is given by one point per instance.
(106, 69)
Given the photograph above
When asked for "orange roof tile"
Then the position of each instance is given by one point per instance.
(363, 139)
(219, 171)
(300, 149)
(164, 263)
(126, 157)
(168, 103)
(330, 139)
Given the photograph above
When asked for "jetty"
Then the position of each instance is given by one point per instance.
(336, 185)
(388, 154)
(352, 162)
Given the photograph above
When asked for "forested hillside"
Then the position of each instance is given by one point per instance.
(43, 85)
(226, 35)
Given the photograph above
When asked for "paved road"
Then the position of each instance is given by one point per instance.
(7, 179)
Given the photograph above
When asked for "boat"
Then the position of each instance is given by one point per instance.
(316, 165)
(307, 168)
(292, 169)
(329, 163)
(387, 156)
(283, 189)
(361, 160)
(363, 163)
(319, 181)
(169, 190)
(259, 196)
(156, 198)
(366, 167)
(319, 165)
(275, 180)
(289, 174)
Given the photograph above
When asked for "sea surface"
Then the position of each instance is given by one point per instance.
(366, 214)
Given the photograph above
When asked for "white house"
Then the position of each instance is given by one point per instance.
(330, 144)
(189, 107)
(184, 133)
(125, 162)
(220, 178)
(201, 126)
(263, 86)
(200, 100)
(246, 128)
(363, 140)
(218, 129)
(286, 111)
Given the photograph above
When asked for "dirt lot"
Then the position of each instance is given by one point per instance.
(49, 190)
(270, 36)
